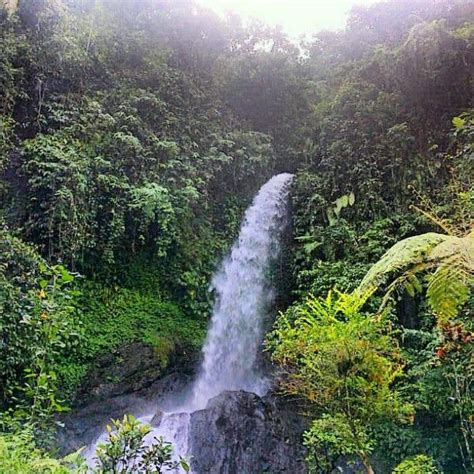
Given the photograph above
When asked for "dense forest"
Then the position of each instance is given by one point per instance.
(134, 134)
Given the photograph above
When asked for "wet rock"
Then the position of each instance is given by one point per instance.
(156, 420)
(132, 369)
(240, 433)
(83, 425)
(130, 380)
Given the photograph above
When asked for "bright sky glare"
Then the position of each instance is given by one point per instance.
(295, 16)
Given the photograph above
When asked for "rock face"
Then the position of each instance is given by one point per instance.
(83, 425)
(131, 369)
(130, 380)
(240, 433)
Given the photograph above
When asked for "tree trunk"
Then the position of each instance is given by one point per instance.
(367, 465)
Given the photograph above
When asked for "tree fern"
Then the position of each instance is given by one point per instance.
(448, 259)
(449, 286)
(405, 254)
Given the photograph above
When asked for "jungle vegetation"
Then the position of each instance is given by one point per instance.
(134, 133)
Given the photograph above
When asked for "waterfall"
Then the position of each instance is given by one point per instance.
(244, 296)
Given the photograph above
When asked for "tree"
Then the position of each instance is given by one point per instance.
(345, 364)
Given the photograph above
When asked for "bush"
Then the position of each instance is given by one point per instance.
(127, 452)
(37, 329)
(345, 364)
(20, 455)
(420, 464)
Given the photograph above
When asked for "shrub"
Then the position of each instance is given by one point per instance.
(420, 464)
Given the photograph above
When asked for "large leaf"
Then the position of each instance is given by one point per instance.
(450, 285)
(399, 258)
(449, 258)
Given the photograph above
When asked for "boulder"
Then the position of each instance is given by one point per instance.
(240, 433)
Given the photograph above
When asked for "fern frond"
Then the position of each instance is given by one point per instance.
(408, 281)
(451, 259)
(450, 286)
(459, 246)
(403, 255)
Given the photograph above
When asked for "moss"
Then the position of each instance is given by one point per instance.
(111, 317)
(164, 348)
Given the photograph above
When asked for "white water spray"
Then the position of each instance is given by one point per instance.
(243, 298)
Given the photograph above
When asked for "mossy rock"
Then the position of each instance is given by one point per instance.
(132, 368)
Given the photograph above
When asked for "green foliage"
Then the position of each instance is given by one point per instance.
(117, 162)
(450, 285)
(420, 464)
(56, 168)
(38, 328)
(335, 437)
(338, 254)
(449, 258)
(115, 316)
(432, 46)
(339, 204)
(326, 275)
(126, 452)
(153, 205)
(345, 363)
(408, 252)
(20, 455)
(456, 370)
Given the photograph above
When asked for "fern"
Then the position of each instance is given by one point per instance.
(449, 286)
(403, 255)
(448, 259)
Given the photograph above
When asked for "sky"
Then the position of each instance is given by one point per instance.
(297, 17)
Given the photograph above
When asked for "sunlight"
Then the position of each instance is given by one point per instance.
(297, 17)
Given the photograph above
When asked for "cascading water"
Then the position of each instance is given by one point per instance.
(243, 298)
